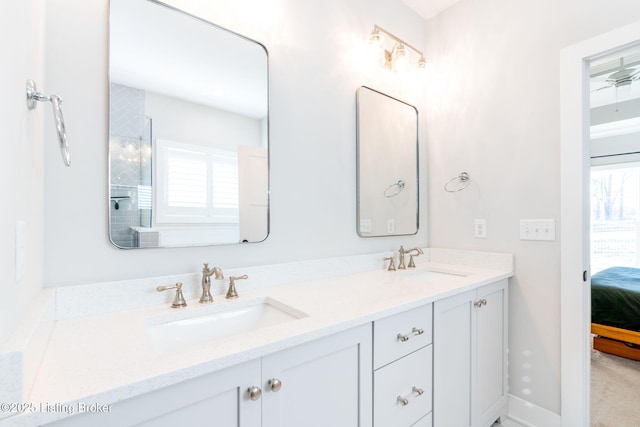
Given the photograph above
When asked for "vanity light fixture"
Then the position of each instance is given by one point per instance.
(393, 52)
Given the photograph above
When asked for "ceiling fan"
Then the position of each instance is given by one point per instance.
(623, 76)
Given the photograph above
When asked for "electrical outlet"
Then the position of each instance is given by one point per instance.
(365, 225)
(538, 229)
(480, 228)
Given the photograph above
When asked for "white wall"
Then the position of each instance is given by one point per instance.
(21, 162)
(493, 111)
(315, 57)
(196, 124)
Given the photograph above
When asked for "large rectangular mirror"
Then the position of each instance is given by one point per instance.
(387, 155)
(188, 130)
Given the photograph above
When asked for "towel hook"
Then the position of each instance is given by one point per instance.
(464, 179)
(32, 97)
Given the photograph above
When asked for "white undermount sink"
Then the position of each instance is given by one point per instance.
(200, 325)
(425, 274)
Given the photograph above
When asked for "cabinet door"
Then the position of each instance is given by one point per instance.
(323, 383)
(491, 377)
(453, 352)
(219, 399)
(469, 357)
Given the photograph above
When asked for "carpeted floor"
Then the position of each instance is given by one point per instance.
(615, 391)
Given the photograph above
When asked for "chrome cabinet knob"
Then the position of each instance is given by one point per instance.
(480, 303)
(417, 390)
(254, 392)
(401, 400)
(417, 331)
(275, 384)
(403, 338)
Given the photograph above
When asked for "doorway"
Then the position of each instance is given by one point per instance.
(614, 151)
(575, 292)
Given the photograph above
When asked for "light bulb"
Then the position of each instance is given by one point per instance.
(376, 50)
(399, 58)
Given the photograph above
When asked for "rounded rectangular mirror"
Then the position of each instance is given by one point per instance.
(188, 130)
(387, 155)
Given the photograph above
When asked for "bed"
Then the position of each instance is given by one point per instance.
(615, 311)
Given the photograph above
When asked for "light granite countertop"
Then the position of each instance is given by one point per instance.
(105, 358)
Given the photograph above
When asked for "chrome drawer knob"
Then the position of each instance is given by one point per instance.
(417, 390)
(401, 400)
(403, 338)
(254, 392)
(417, 331)
(275, 384)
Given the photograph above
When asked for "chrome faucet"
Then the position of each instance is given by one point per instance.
(411, 252)
(401, 265)
(206, 282)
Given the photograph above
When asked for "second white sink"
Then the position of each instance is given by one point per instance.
(187, 329)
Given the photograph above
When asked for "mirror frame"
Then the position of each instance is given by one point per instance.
(267, 131)
(359, 144)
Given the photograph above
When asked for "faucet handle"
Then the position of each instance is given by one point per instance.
(232, 293)
(219, 275)
(179, 300)
(411, 264)
(413, 253)
(392, 266)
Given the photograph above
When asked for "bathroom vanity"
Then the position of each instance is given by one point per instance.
(418, 347)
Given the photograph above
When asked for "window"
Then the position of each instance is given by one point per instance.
(615, 219)
(200, 184)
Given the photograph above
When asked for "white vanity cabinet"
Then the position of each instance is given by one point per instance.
(470, 357)
(326, 382)
(219, 399)
(403, 363)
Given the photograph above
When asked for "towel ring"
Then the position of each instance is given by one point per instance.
(464, 179)
(398, 186)
(32, 97)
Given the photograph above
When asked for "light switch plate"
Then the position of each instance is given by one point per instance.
(391, 226)
(538, 229)
(20, 250)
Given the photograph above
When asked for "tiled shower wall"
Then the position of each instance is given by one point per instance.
(130, 163)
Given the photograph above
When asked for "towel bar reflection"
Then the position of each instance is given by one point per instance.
(33, 96)
(463, 180)
(394, 189)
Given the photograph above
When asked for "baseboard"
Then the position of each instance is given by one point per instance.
(531, 415)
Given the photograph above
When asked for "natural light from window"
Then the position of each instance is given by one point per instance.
(615, 220)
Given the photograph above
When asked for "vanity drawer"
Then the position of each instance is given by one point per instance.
(424, 422)
(403, 390)
(398, 335)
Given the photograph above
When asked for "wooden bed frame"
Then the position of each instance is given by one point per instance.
(612, 340)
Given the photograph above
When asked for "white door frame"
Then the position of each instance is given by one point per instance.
(575, 294)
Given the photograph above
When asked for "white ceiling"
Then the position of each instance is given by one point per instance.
(429, 8)
(158, 49)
